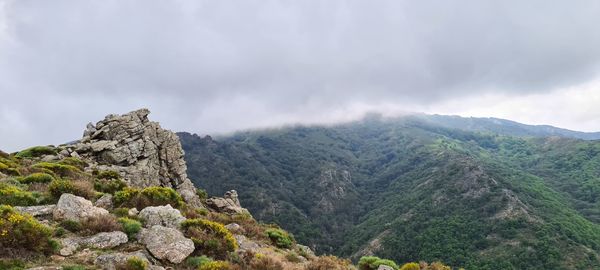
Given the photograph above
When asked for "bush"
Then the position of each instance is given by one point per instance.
(109, 185)
(292, 257)
(18, 231)
(263, 262)
(130, 226)
(328, 263)
(121, 212)
(280, 238)
(36, 151)
(197, 261)
(134, 263)
(13, 195)
(209, 237)
(60, 169)
(372, 263)
(202, 194)
(37, 178)
(151, 196)
(71, 225)
(11, 264)
(79, 188)
(215, 265)
(108, 175)
(74, 267)
(75, 162)
(103, 223)
(410, 266)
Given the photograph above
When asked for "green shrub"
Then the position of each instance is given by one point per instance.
(71, 225)
(109, 185)
(280, 238)
(60, 231)
(19, 231)
(215, 265)
(60, 186)
(74, 267)
(108, 175)
(75, 162)
(13, 195)
(372, 263)
(11, 264)
(410, 266)
(209, 237)
(197, 261)
(121, 212)
(130, 226)
(37, 178)
(151, 196)
(202, 194)
(36, 151)
(60, 169)
(134, 263)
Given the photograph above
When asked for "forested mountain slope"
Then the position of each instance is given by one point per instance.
(411, 189)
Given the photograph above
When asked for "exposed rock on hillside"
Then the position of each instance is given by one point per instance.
(141, 151)
(228, 204)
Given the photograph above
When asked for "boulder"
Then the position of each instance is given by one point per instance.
(102, 240)
(306, 251)
(105, 202)
(166, 243)
(112, 261)
(246, 244)
(235, 228)
(38, 210)
(141, 151)
(228, 204)
(384, 267)
(161, 215)
(71, 207)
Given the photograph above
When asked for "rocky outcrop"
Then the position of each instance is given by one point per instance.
(37, 211)
(101, 240)
(105, 202)
(166, 243)
(228, 204)
(141, 151)
(113, 260)
(71, 207)
(161, 215)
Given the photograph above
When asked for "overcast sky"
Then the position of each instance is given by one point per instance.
(217, 66)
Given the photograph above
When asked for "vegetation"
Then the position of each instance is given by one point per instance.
(280, 238)
(37, 178)
(36, 151)
(215, 265)
(19, 231)
(373, 263)
(134, 263)
(15, 196)
(130, 226)
(426, 191)
(197, 261)
(151, 196)
(210, 238)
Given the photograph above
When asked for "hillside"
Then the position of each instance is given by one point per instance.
(412, 189)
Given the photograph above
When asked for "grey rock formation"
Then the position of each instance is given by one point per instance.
(101, 240)
(37, 211)
(105, 202)
(228, 204)
(384, 267)
(161, 215)
(166, 243)
(76, 208)
(235, 228)
(246, 244)
(140, 150)
(113, 260)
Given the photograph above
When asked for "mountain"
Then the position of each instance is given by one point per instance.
(473, 193)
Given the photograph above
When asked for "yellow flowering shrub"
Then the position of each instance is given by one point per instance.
(210, 238)
(13, 195)
(20, 231)
(215, 265)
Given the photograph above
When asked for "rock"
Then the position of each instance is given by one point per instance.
(235, 228)
(384, 267)
(228, 204)
(48, 158)
(306, 251)
(46, 268)
(101, 240)
(161, 215)
(141, 151)
(71, 207)
(167, 243)
(133, 212)
(36, 211)
(105, 202)
(112, 260)
(246, 244)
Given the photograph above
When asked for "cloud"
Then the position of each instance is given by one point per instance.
(216, 66)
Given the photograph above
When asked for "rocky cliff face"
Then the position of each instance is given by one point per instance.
(141, 151)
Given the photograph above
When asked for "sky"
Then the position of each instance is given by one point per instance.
(213, 67)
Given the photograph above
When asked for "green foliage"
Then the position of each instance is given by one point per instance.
(75, 162)
(121, 212)
(36, 151)
(210, 238)
(74, 267)
(134, 263)
(63, 170)
(11, 264)
(108, 175)
(202, 194)
(151, 196)
(19, 231)
(280, 238)
(372, 263)
(37, 178)
(109, 185)
(59, 186)
(215, 265)
(410, 266)
(15, 196)
(130, 226)
(71, 225)
(197, 261)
